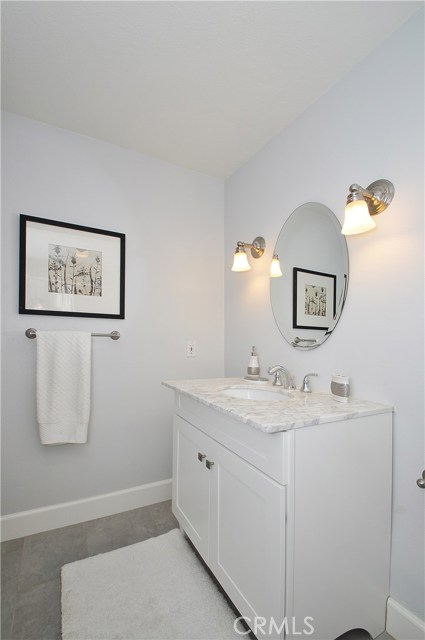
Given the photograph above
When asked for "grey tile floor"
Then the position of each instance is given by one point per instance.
(30, 568)
(30, 598)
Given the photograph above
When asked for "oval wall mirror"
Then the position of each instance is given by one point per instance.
(308, 300)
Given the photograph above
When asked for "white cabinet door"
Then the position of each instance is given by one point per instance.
(235, 517)
(247, 537)
(191, 483)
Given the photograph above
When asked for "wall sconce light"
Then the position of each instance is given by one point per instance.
(275, 270)
(364, 203)
(240, 260)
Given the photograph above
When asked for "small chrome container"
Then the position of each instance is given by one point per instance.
(340, 387)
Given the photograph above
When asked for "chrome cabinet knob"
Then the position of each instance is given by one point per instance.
(201, 456)
(421, 481)
(209, 464)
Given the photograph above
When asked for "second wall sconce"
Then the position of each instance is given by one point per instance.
(275, 270)
(364, 203)
(240, 260)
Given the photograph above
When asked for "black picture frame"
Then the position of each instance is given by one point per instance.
(314, 299)
(70, 270)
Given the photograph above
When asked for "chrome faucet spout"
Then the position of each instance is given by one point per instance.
(282, 377)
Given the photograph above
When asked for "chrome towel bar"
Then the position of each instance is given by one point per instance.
(114, 335)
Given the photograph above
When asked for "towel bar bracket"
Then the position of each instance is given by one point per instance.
(114, 335)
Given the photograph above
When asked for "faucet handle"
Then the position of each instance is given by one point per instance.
(305, 386)
(277, 379)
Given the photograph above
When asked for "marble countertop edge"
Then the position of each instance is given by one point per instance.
(302, 410)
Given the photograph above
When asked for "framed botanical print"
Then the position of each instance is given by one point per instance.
(314, 299)
(70, 270)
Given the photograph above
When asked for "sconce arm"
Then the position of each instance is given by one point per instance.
(257, 247)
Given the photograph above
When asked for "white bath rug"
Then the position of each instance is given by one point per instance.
(154, 590)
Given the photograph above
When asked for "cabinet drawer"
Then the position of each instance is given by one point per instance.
(268, 452)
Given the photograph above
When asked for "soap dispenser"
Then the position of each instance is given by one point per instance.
(253, 365)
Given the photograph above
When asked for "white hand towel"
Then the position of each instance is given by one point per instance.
(63, 386)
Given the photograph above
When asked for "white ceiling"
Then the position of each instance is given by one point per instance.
(201, 84)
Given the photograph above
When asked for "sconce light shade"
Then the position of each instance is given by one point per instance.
(364, 203)
(275, 270)
(357, 218)
(240, 260)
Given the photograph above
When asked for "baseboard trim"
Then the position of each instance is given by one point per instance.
(25, 523)
(402, 624)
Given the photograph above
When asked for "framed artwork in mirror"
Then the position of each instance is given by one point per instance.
(70, 270)
(314, 299)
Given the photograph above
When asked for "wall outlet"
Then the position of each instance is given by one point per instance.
(190, 349)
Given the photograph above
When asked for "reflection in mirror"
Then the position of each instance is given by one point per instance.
(310, 245)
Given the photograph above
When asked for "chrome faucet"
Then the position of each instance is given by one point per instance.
(282, 377)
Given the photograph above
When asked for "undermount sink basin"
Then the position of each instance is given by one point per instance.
(248, 393)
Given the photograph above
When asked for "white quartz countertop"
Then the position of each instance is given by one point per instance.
(300, 410)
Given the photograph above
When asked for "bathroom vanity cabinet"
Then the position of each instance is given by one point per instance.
(294, 524)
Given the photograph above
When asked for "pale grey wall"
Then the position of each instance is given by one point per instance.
(172, 295)
(369, 126)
